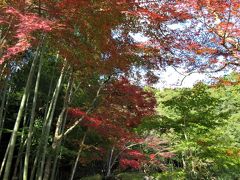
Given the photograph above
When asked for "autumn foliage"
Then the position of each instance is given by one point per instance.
(210, 42)
(21, 27)
(106, 65)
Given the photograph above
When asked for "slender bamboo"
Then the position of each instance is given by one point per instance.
(4, 93)
(58, 148)
(4, 160)
(19, 162)
(5, 111)
(58, 138)
(58, 154)
(48, 120)
(36, 162)
(21, 148)
(59, 126)
(3, 107)
(18, 120)
(30, 132)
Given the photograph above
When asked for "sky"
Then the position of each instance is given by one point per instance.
(172, 79)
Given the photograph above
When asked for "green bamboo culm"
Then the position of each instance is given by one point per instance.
(30, 132)
(48, 122)
(13, 139)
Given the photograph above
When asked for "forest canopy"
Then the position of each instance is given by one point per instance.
(77, 98)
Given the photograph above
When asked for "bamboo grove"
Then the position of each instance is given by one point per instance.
(72, 74)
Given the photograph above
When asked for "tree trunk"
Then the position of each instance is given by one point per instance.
(58, 148)
(3, 107)
(32, 119)
(59, 126)
(71, 128)
(2, 68)
(110, 162)
(19, 162)
(22, 144)
(78, 156)
(36, 162)
(4, 93)
(13, 139)
(5, 112)
(49, 118)
(4, 160)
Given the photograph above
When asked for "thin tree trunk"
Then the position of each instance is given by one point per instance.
(110, 162)
(183, 161)
(5, 112)
(3, 107)
(58, 137)
(4, 160)
(18, 162)
(18, 120)
(32, 119)
(2, 70)
(4, 93)
(71, 128)
(58, 148)
(59, 126)
(36, 162)
(78, 156)
(49, 94)
(184, 154)
(21, 148)
(48, 120)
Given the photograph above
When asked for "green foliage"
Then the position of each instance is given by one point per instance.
(168, 175)
(95, 177)
(131, 175)
(202, 126)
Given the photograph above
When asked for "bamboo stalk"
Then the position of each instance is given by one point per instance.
(32, 120)
(48, 120)
(12, 141)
